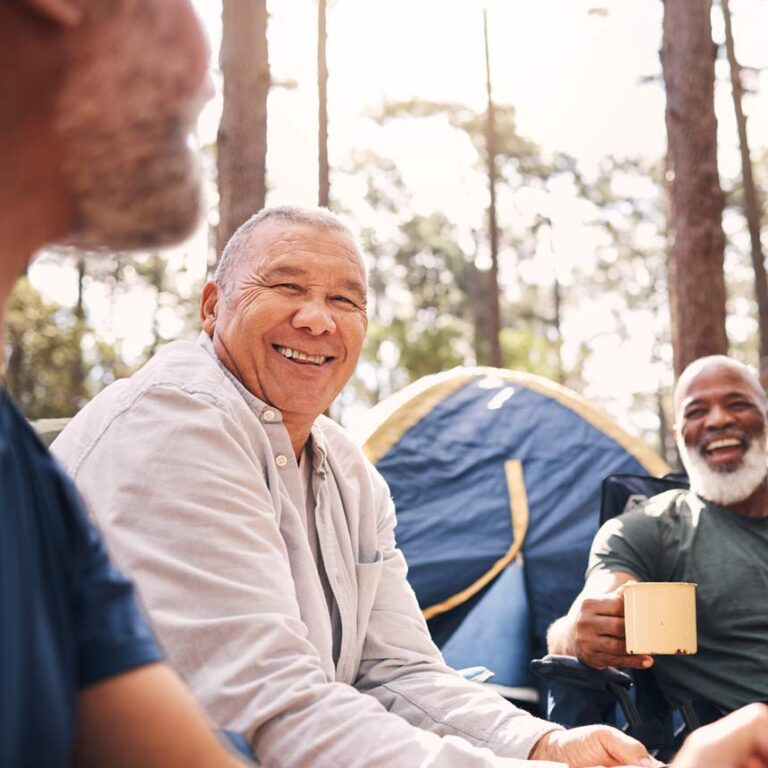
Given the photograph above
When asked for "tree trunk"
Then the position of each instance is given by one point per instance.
(14, 372)
(666, 447)
(494, 345)
(156, 277)
(242, 139)
(751, 201)
(324, 183)
(478, 298)
(696, 240)
(78, 364)
(557, 324)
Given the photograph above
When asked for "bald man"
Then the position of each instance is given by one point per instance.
(715, 535)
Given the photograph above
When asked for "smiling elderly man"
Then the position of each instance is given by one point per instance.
(263, 542)
(715, 535)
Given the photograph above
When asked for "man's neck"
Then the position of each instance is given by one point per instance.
(298, 426)
(755, 505)
(33, 209)
(14, 258)
(299, 436)
(21, 234)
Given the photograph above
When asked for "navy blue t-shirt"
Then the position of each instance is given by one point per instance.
(68, 618)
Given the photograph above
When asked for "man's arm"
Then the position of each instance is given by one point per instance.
(402, 668)
(625, 548)
(180, 489)
(593, 628)
(142, 718)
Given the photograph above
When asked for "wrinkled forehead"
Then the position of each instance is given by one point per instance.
(274, 241)
(717, 380)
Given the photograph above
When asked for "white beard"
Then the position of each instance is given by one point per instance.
(726, 488)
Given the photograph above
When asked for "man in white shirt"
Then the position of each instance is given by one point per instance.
(263, 542)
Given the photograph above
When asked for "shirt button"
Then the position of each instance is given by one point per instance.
(281, 460)
(269, 415)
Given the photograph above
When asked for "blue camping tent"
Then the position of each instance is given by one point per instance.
(496, 478)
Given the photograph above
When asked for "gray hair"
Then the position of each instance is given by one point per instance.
(235, 250)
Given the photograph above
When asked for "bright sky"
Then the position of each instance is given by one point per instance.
(573, 77)
(572, 71)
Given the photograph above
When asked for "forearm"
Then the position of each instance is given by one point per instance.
(447, 705)
(404, 670)
(145, 717)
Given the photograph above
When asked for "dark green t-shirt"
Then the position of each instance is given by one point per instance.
(678, 536)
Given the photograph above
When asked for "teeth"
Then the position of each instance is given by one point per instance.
(296, 355)
(724, 443)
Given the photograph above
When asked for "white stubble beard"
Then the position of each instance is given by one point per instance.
(726, 488)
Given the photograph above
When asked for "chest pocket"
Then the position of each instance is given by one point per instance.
(368, 580)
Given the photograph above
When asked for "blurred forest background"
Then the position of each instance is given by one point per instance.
(566, 188)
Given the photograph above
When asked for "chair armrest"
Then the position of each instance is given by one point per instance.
(569, 669)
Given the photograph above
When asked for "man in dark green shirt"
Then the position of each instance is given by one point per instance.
(715, 535)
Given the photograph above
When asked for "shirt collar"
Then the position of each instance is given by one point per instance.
(259, 407)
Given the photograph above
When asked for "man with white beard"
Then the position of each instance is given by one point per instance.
(715, 535)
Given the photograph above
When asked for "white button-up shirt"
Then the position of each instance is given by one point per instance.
(199, 495)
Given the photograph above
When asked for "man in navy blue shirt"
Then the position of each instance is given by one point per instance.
(96, 100)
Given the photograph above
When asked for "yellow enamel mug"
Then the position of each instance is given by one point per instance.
(660, 617)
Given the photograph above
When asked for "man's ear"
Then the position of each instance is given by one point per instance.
(66, 13)
(209, 306)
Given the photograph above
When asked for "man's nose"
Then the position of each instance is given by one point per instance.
(718, 417)
(315, 316)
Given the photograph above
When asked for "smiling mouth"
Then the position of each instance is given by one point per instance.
(724, 445)
(301, 357)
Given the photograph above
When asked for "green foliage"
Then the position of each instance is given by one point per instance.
(523, 349)
(429, 308)
(434, 267)
(519, 159)
(742, 310)
(46, 372)
(57, 359)
(631, 263)
(420, 310)
(521, 165)
(422, 348)
(56, 362)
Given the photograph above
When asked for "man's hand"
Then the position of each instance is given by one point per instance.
(591, 745)
(598, 633)
(739, 740)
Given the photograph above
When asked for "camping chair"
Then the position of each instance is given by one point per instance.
(581, 695)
